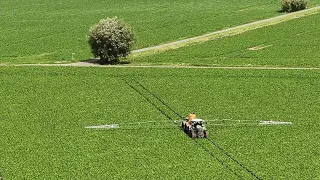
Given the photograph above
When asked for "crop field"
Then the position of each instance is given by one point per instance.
(45, 110)
(293, 44)
(34, 31)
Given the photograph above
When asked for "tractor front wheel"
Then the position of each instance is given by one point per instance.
(205, 134)
(193, 134)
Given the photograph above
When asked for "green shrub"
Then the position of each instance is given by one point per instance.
(293, 5)
(110, 39)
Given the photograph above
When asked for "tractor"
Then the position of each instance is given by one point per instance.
(196, 129)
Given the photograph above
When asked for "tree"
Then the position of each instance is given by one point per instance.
(111, 39)
(293, 5)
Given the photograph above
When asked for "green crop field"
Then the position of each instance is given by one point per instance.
(294, 43)
(45, 109)
(45, 31)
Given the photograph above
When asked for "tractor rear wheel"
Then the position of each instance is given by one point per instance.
(189, 132)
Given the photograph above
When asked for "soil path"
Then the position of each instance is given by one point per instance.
(81, 64)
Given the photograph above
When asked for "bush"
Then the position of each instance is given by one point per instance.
(293, 5)
(110, 39)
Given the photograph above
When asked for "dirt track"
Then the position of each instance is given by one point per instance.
(167, 66)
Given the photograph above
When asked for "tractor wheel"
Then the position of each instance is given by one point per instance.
(189, 132)
(193, 134)
(205, 134)
(184, 127)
